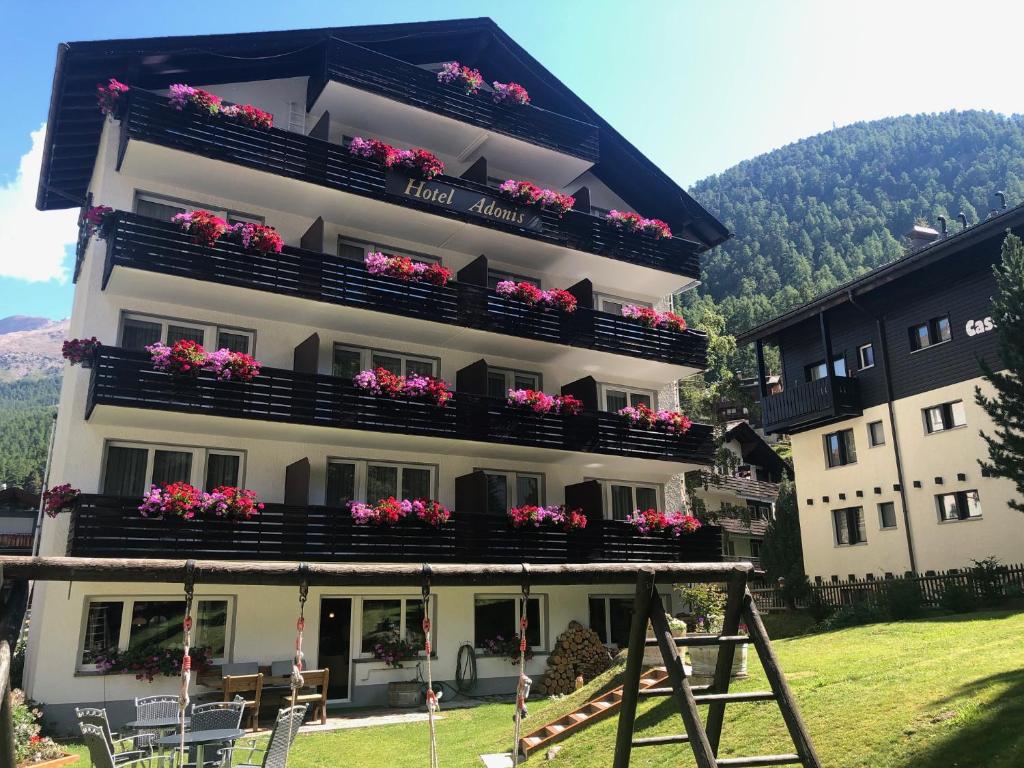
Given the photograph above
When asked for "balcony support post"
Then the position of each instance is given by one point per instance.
(826, 343)
(762, 375)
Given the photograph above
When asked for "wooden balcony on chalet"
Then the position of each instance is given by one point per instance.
(811, 404)
(106, 526)
(126, 379)
(147, 118)
(141, 243)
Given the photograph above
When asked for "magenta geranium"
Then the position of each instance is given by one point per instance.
(60, 498)
(384, 383)
(182, 96)
(542, 403)
(184, 358)
(528, 293)
(652, 318)
(651, 521)
(425, 164)
(454, 73)
(206, 228)
(391, 511)
(80, 351)
(227, 365)
(247, 114)
(634, 223)
(93, 219)
(257, 237)
(510, 93)
(645, 418)
(404, 268)
(110, 94)
(187, 502)
(530, 194)
(533, 516)
(230, 503)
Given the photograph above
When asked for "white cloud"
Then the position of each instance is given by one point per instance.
(33, 244)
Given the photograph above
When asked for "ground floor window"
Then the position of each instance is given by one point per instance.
(962, 505)
(610, 618)
(497, 616)
(388, 618)
(370, 481)
(849, 526)
(152, 623)
(129, 469)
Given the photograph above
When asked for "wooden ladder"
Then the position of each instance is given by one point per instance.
(702, 737)
(587, 714)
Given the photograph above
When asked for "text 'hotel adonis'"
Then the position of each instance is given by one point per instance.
(321, 280)
(886, 439)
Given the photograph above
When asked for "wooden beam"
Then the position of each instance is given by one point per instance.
(6, 723)
(723, 669)
(354, 574)
(762, 373)
(634, 667)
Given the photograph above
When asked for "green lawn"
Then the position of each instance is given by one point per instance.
(934, 693)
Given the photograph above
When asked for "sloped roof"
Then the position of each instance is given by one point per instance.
(74, 123)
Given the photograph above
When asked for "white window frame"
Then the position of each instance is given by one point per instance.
(127, 606)
(200, 455)
(210, 330)
(601, 298)
(939, 509)
(405, 600)
(510, 377)
(860, 356)
(932, 428)
(362, 472)
(511, 483)
(366, 357)
(227, 214)
(542, 611)
(606, 494)
(835, 532)
(871, 439)
(603, 389)
(370, 246)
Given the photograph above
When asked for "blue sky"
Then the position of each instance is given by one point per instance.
(698, 86)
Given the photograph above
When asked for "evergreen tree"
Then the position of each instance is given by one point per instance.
(1006, 406)
(782, 554)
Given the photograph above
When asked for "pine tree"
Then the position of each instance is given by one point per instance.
(782, 552)
(1006, 406)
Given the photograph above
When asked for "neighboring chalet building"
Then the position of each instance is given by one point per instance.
(18, 512)
(302, 435)
(742, 500)
(886, 438)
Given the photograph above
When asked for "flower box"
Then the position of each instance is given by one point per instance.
(704, 659)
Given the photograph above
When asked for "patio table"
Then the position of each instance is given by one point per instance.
(155, 723)
(199, 739)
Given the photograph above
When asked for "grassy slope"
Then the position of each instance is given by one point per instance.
(934, 693)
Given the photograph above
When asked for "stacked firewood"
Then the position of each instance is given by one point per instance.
(577, 652)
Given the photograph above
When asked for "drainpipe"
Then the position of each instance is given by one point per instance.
(883, 343)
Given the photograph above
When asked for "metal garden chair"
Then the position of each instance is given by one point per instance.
(275, 754)
(153, 708)
(121, 749)
(97, 740)
(215, 716)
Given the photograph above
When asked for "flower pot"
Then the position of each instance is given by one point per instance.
(652, 654)
(56, 762)
(704, 659)
(407, 694)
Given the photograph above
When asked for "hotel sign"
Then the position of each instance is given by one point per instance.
(480, 205)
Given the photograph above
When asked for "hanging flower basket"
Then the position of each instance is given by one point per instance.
(186, 502)
(532, 516)
(652, 318)
(109, 96)
(650, 521)
(230, 503)
(404, 268)
(642, 417)
(528, 293)
(543, 404)
(419, 161)
(60, 498)
(530, 194)
(248, 115)
(453, 73)
(383, 383)
(510, 93)
(256, 237)
(186, 358)
(80, 351)
(94, 220)
(206, 228)
(182, 96)
(634, 223)
(390, 512)
(227, 365)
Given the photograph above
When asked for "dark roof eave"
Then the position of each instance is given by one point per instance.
(886, 273)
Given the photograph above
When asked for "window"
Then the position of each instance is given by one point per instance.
(130, 468)
(385, 617)
(935, 331)
(840, 448)
(849, 526)
(501, 380)
(614, 304)
(886, 515)
(939, 418)
(866, 356)
(876, 434)
(759, 510)
(139, 331)
(369, 481)
(622, 498)
(614, 397)
(610, 618)
(495, 276)
(144, 622)
(164, 208)
(348, 361)
(495, 616)
(356, 250)
(512, 489)
(817, 371)
(962, 505)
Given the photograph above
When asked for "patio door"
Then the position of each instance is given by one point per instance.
(335, 649)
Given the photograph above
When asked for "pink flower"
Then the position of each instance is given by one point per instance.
(454, 73)
(637, 224)
(652, 318)
(510, 92)
(109, 95)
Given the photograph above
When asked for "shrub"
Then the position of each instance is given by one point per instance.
(956, 598)
(987, 577)
(817, 607)
(852, 615)
(902, 599)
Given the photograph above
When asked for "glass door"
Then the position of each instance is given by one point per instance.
(335, 649)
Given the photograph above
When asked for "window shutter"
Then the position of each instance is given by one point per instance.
(296, 482)
(471, 493)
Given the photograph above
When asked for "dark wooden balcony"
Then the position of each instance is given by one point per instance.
(106, 526)
(383, 75)
(810, 405)
(138, 242)
(122, 378)
(146, 117)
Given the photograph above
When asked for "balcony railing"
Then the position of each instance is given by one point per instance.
(106, 526)
(147, 117)
(138, 242)
(127, 379)
(383, 75)
(810, 405)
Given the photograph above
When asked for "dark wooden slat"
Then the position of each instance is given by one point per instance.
(760, 760)
(726, 652)
(634, 668)
(657, 741)
(697, 640)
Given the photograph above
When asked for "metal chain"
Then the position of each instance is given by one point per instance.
(430, 696)
(297, 680)
(186, 658)
(523, 686)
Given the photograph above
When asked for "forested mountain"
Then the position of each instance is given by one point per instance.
(26, 412)
(820, 211)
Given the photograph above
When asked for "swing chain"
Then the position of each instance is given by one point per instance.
(524, 683)
(186, 658)
(430, 695)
